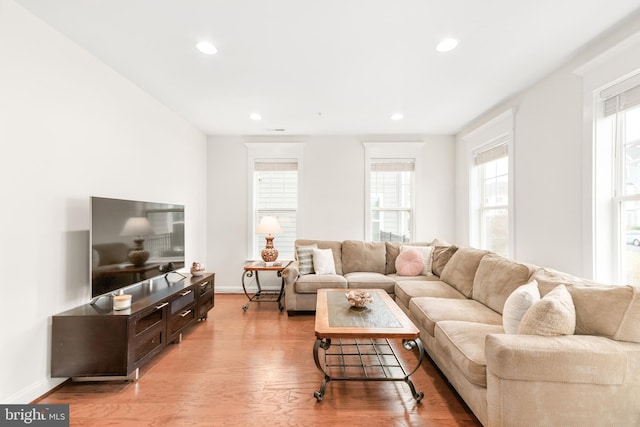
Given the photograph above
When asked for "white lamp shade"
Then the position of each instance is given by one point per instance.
(269, 225)
(137, 226)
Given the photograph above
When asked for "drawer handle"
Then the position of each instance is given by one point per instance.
(164, 304)
(185, 313)
(203, 284)
(186, 292)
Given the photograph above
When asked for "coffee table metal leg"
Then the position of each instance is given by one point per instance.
(410, 345)
(321, 343)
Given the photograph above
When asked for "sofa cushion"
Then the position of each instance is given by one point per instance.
(363, 256)
(553, 315)
(409, 263)
(463, 343)
(461, 269)
(441, 256)
(304, 255)
(407, 289)
(427, 311)
(517, 305)
(366, 280)
(310, 283)
(323, 261)
(604, 310)
(336, 248)
(496, 278)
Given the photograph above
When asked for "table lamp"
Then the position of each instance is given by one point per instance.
(137, 227)
(269, 225)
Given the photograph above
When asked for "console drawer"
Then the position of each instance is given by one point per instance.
(148, 344)
(185, 298)
(205, 303)
(180, 320)
(149, 319)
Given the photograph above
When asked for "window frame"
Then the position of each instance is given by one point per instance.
(495, 132)
(270, 151)
(393, 151)
(482, 208)
(609, 166)
(612, 65)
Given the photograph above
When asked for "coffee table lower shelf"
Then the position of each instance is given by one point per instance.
(363, 359)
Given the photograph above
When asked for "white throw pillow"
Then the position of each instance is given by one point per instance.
(427, 255)
(553, 315)
(323, 261)
(517, 305)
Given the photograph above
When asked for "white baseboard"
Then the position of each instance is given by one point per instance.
(34, 391)
(228, 289)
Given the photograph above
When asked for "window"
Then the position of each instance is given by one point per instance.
(274, 177)
(492, 192)
(490, 155)
(391, 199)
(391, 173)
(618, 144)
(276, 184)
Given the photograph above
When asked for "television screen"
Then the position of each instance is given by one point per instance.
(132, 241)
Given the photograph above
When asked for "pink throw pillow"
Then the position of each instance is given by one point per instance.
(409, 263)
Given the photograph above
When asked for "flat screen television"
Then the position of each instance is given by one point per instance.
(133, 241)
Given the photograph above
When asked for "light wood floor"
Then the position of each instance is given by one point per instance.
(256, 368)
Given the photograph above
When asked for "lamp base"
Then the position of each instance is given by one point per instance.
(269, 253)
(138, 257)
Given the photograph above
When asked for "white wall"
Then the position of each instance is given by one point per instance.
(550, 147)
(70, 128)
(332, 195)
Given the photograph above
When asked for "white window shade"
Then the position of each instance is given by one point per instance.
(276, 165)
(392, 165)
(496, 152)
(621, 96)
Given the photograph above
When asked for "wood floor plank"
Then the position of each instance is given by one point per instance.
(256, 368)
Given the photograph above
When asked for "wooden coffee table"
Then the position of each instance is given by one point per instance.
(356, 341)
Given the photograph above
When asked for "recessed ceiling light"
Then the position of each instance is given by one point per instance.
(207, 48)
(446, 45)
(397, 116)
(255, 116)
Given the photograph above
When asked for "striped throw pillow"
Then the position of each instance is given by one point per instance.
(305, 259)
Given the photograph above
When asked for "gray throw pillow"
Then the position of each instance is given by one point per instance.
(305, 259)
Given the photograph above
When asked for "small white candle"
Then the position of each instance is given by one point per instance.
(121, 302)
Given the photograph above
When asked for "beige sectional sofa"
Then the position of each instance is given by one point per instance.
(590, 377)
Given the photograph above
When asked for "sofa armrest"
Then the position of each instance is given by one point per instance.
(567, 380)
(569, 359)
(291, 273)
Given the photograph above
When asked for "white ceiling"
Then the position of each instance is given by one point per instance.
(332, 66)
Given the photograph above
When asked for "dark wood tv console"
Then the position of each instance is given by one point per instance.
(93, 342)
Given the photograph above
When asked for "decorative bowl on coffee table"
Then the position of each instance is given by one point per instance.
(359, 299)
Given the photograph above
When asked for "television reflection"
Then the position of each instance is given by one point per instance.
(132, 241)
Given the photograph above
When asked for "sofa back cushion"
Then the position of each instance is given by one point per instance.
(496, 278)
(441, 256)
(603, 310)
(461, 269)
(336, 248)
(363, 256)
(392, 252)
